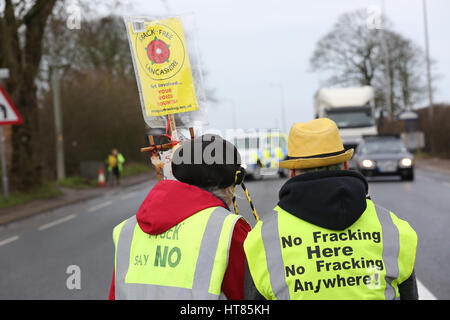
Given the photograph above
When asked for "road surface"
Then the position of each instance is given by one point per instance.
(38, 254)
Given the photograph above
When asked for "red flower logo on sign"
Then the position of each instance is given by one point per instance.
(158, 51)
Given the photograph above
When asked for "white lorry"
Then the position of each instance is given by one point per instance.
(353, 110)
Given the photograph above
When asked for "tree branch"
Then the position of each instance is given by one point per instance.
(11, 53)
(35, 21)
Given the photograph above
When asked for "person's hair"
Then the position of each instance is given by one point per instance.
(225, 194)
(339, 166)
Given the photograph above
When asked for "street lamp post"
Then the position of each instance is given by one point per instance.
(233, 112)
(4, 74)
(283, 111)
(427, 53)
(387, 71)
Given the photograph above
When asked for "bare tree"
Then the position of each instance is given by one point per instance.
(411, 85)
(351, 53)
(99, 95)
(22, 26)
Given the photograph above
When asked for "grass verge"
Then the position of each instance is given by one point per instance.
(83, 183)
(76, 183)
(51, 189)
(133, 169)
(48, 190)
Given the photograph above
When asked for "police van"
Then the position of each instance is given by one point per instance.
(261, 151)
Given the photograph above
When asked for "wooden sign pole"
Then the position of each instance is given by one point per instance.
(173, 127)
(154, 157)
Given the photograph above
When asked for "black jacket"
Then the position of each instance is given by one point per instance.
(332, 200)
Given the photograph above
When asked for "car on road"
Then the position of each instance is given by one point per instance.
(382, 156)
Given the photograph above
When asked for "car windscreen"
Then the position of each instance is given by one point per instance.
(383, 146)
(352, 117)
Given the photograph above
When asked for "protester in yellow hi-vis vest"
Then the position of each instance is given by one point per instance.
(184, 243)
(326, 239)
(115, 163)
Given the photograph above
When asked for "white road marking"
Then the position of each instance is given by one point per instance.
(424, 293)
(56, 222)
(447, 184)
(99, 206)
(128, 195)
(8, 240)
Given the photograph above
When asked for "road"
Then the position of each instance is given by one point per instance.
(36, 253)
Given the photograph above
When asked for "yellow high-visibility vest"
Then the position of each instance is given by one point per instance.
(187, 261)
(293, 259)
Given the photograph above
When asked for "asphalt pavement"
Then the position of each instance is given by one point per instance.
(41, 255)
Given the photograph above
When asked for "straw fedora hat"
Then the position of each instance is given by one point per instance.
(316, 143)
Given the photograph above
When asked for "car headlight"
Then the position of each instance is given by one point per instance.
(406, 162)
(368, 164)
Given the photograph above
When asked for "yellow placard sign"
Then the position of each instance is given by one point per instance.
(162, 65)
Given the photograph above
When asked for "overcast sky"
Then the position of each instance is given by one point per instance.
(248, 45)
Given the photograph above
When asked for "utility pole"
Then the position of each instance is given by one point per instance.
(60, 165)
(427, 52)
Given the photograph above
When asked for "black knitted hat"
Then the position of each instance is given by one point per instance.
(207, 161)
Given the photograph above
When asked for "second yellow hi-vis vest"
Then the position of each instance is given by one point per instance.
(293, 259)
(186, 262)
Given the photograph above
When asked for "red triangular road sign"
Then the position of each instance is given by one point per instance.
(8, 113)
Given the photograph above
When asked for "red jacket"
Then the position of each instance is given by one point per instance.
(169, 203)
